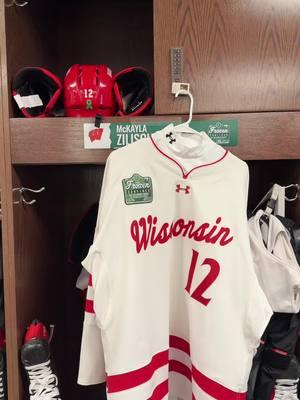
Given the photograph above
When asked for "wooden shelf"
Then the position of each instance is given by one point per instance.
(261, 136)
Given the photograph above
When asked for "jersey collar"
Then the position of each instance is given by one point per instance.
(189, 154)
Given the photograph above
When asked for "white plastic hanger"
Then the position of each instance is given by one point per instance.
(275, 204)
(275, 198)
(280, 202)
(184, 127)
(276, 201)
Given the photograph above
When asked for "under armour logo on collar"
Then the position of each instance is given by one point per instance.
(170, 136)
(186, 189)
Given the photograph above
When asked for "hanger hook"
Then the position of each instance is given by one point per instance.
(295, 186)
(23, 190)
(9, 4)
(15, 3)
(187, 93)
(21, 4)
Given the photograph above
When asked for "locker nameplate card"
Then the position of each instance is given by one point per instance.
(114, 135)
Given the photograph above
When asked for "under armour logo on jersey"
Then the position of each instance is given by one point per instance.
(186, 189)
(170, 136)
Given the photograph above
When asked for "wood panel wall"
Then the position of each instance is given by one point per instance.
(117, 33)
(238, 55)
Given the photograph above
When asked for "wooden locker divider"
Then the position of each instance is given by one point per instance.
(8, 227)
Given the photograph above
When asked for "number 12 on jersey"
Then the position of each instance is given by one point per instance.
(198, 293)
(88, 93)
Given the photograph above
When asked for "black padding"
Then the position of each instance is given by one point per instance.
(31, 81)
(83, 235)
(135, 88)
(275, 360)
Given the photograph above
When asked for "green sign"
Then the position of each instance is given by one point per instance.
(114, 135)
(125, 133)
(222, 132)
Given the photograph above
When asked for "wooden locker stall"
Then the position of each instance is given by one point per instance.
(261, 92)
(40, 281)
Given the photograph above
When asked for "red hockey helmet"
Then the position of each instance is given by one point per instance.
(36, 91)
(88, 90)
(133, 90)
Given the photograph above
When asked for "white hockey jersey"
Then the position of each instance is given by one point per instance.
(174, 309)
(276, 265)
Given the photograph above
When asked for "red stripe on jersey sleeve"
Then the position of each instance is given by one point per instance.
(90, 280)
(180, 368)
(89, 306)
(180, 344)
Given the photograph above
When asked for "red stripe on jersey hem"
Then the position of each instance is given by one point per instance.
(215, 389)
(160, 391)
(128, 380)
(185, 175)
(89, 306)
(132, 379)
(90, 280)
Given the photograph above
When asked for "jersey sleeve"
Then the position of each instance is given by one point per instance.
(246, 183)
(91, 366)
(258, 315)
(259, 310)
(103, 198)
(82, 281)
